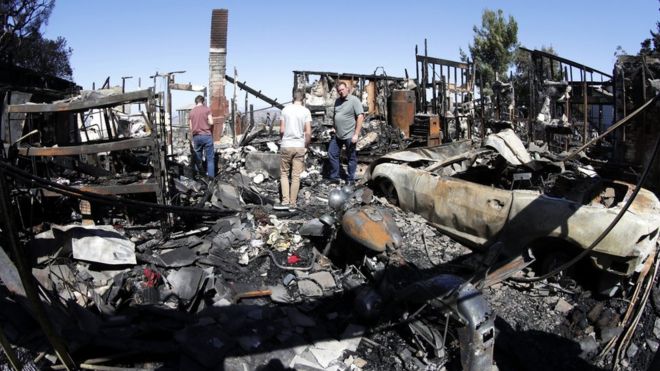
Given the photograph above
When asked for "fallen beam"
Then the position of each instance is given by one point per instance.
(257, 94)
(84, 149)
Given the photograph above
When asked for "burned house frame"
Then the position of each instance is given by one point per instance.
(370, 89)
(446, 90)
(57, 138)
(574, 99)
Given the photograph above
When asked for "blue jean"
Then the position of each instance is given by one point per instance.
(334, 152)
(203, 144)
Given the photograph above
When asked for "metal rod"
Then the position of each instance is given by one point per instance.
(585, 107)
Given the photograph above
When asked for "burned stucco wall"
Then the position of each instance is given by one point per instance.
(634, 144)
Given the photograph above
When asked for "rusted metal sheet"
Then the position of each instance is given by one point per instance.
(112, 100)
(146, 187)
(86, 148)
(217, 68)
(402, 110)
(428, 128)
(372, 227)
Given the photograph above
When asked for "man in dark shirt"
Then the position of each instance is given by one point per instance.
(348, 119)
(200, 122)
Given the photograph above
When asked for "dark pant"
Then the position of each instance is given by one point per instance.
(334, 152)
(203, 145)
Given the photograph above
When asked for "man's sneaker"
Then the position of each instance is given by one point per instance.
(281, 207)
(333, 181)
(292, 208)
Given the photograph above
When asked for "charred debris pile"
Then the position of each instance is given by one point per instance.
(480, 236)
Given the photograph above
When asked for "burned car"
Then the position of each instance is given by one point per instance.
(480, 195)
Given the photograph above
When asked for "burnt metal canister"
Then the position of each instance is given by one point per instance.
(372, 227)
(402, 110)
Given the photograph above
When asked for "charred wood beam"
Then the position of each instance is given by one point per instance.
(112, 189)
(565, 61)
(590, 83)
(350, 75)
(272, 102)
(444, 62)
(109, 101)
(87, 148)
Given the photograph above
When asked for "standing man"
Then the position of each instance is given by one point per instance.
(200, 122)
(348, 119)
(296, 133)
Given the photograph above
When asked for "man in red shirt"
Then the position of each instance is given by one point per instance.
(200, 122)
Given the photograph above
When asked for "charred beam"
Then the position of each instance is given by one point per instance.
(87, 148)
(444, 62)
(112, 190)
(565, 61)
(343, 75)
(272, 102)
(109, 101)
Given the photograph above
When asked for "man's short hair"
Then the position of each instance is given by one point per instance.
(298, 95)
(199, 99)
(342, 83)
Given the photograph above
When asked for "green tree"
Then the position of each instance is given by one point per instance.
(493, 48)
(21, 41)
(651, 46)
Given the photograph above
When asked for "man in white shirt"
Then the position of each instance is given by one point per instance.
(296, 133)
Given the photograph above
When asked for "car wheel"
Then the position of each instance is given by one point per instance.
(551, 260)
(387, 189)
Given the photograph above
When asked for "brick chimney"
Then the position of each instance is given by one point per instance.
(217, 68)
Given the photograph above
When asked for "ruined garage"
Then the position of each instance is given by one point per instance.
(496, 223)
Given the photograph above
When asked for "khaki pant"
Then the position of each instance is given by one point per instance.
(291, 158)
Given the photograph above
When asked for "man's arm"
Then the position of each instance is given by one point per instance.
(308, 133)
(210, 119)
(358, 128)
(281, 127)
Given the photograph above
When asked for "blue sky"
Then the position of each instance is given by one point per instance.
(267, 40)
